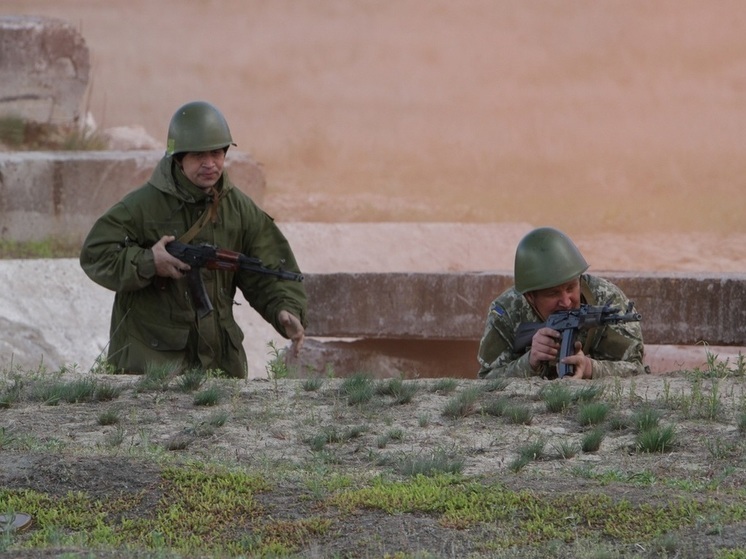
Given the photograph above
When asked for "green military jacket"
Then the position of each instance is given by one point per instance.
(155, 321)
(616, 349)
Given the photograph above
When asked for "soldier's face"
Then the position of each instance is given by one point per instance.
(203, 168)
(558, 298)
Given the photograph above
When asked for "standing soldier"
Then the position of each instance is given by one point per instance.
(189, 197)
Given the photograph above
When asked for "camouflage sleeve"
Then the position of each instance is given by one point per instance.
(496, 356)
(617, 349)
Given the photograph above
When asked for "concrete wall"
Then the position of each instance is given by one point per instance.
(430, 324)
(425, 324)
(44, 70)
(61, 194)
(677, 308)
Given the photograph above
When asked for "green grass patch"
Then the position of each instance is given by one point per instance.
(528, 518)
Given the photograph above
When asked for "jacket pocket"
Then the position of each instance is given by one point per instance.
(161, 337)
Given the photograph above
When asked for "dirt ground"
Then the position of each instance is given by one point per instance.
(620, 122)
(56, 449)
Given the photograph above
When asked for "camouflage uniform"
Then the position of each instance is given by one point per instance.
(616, 349)
(156, 321)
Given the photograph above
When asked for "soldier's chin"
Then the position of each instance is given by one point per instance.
(208, 182)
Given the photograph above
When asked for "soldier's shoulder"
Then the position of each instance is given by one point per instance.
(602, 288)
(508, 303)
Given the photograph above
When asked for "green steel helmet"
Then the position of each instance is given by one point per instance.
(546, 257)
(197, 126)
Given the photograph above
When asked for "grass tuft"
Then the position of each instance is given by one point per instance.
(463, 404)
(592, 440)
(656, 439)
(593, 413)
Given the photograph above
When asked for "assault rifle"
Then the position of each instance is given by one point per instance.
(214, 258)
(568, 324)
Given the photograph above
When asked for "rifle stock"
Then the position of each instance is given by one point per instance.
(524, 334)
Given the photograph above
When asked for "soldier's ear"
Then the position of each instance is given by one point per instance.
(530, 298)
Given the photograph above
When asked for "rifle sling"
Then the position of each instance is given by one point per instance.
(210, 214)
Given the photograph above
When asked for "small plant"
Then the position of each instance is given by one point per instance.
(566, 449)
(496, 406)
(12, 393)
(445, 385)
(592, 440)
(395, 434)
(312, 384)
(105, 392)
(645, 419)
(358, 389)
(589, 393)
(333, 435)
(382, 441)
(49, 393)
(392, 435)
(209, 397)
(557, 397)
(720, 449)
(518, 414)
(533, 450)
(101, 366)
(618, 422)
(593, 413)
(527, 454)
(423, 420)
(7, 438)
(462, 405)
(496, 384)
(191, 380)
(84, 139)
(108, 417)
(518, 464)
(82, 390)
(277, 367)
(157, 377)
(401, 391)
(218, 418)
(656, 439)
(721, 368)
(439, 462)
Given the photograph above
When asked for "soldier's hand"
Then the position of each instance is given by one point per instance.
(293, 330)
(167, 266)
(583, 365)
(545, 346)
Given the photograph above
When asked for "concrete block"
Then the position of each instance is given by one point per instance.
(44, 69)
(689, 308)
(61, 194)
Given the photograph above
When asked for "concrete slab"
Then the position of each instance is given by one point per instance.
(61, 194)
(44, 71)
